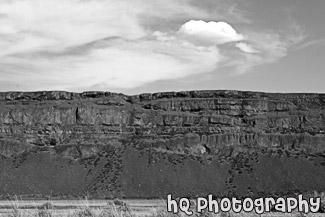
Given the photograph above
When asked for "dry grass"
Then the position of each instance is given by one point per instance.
(118, 208)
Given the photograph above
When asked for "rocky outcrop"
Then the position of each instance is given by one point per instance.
(145, 146)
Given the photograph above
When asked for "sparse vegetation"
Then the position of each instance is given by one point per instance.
(119, 208)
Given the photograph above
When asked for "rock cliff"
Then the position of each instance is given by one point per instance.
(191, 143)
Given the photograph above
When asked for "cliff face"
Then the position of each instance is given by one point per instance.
(187, 143)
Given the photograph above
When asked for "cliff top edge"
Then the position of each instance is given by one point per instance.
(64, 95)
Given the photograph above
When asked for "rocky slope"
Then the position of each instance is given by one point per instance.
(108, 145)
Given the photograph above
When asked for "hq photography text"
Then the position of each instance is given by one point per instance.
(259, 205)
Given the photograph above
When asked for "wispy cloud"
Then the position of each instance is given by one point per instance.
(209, 33)
(262, 48)
(246, 47)
(79, 44)
(311, 43)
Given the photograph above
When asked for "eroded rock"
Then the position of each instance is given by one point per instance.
(188, 143)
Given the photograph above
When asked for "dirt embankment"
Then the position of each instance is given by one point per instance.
(191, 143)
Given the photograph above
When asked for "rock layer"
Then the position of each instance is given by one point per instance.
(189, 143)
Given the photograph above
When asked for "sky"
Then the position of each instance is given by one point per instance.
(140, 46)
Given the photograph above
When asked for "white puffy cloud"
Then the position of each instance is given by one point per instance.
(209, 33)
